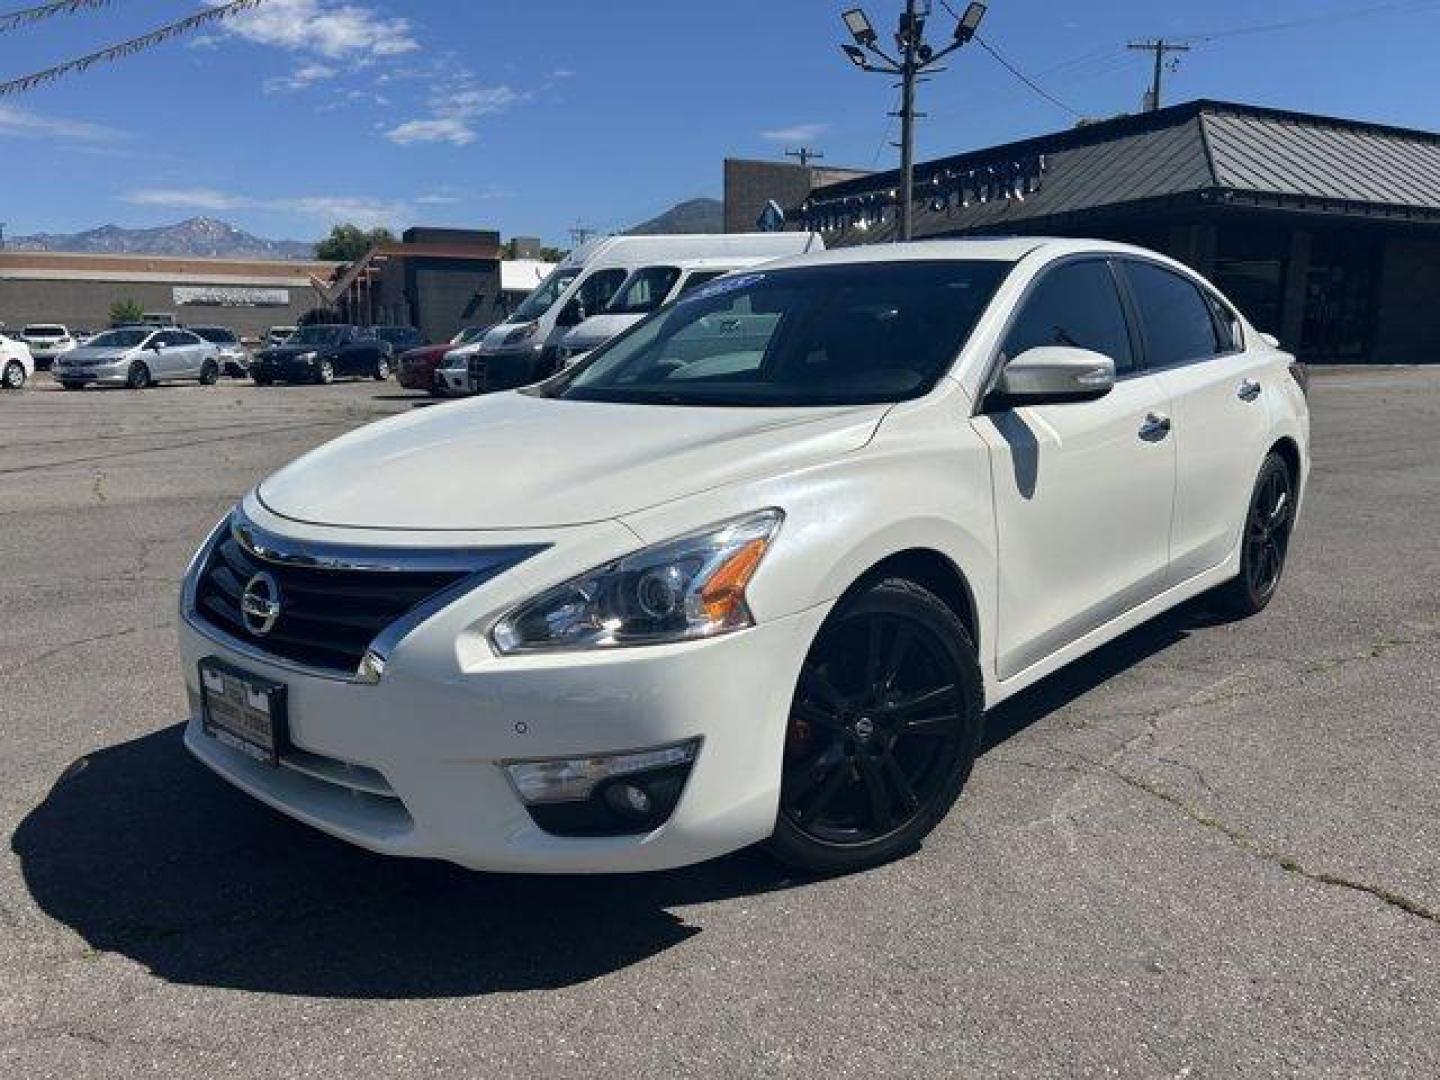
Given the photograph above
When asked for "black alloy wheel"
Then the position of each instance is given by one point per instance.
(1265, 542)
(14, 375)
(209, 373)
(138, 377)
(883, 730)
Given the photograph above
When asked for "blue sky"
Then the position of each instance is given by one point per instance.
(527, 116)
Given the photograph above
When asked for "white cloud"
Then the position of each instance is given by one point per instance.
(796, 133)
(455, 107)
(328, 208)
(333, 30)
(440, 129)
(300, 78)
(436, 200)
(21, 123)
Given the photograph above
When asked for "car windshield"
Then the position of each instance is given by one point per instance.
(119, 339)
(644, 291)
(820, 335)
(467, 335)
(216, 334)
(316, 335)
(44, 331)
(545, 294)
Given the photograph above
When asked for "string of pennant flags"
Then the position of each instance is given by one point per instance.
(13, 20)
(944, 191)
(113, 52)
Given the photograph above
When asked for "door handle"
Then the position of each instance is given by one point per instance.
(1248, 390)
(1155, 427)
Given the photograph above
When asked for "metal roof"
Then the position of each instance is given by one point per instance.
(1200, 152)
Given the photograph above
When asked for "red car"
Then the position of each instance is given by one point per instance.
(416, 367)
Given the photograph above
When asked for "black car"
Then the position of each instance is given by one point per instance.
(400, 338)
(322, 352)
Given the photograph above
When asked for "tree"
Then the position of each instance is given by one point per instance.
(126, 311)
(348, 242)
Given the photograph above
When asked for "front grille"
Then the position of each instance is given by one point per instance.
(479, 373)
(328, 617)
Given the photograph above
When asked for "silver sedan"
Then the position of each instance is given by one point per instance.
(137, 357)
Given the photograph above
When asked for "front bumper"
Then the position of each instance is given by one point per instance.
(412, 765)
(452, 380)
(285, 370)
(103, 374)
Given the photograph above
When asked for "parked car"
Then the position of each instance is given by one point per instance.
(415, 369)
(47, 341)
(525, 347)
(278, 335)
(234, 357)
(137, 357)
(16, 363)
(770, 556)
(645, 291)
(322, 352)
(400, 338)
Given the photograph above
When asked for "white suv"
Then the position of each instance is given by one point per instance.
(752, 571)
(47, 341)
(16, 363)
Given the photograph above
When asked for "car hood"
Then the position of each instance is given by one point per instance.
(98, 352)
(523, 462)
(425, 353)
(599, 329)
(495, 338)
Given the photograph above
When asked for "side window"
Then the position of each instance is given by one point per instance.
(1177, 320)
(1074, 304)
(183, 337)
(1227, 327)
(596, 290)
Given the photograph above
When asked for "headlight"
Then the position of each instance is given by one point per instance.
(521, 333)
(693, 587)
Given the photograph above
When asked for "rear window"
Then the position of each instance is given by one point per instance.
(45, 331)
(1179, 326)
(218, 335)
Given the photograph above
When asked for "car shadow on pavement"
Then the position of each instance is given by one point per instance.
(143, 852)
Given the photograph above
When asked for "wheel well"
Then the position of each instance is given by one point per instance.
(1290, 453)
(935, 573)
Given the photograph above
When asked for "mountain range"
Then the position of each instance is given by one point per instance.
(204, 237)
(197, 237)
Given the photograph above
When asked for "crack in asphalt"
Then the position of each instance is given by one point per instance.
(55, 650)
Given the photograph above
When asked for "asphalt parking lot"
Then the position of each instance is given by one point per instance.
(1209, 850)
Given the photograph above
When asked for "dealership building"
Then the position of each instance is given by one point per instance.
(1325, 231)
(77, 290)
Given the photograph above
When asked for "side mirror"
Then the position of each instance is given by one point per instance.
(155, 346)
(1271, 340)
(572, 314)
(1052, 374)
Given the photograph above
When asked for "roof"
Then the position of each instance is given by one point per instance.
(1200, 152)
(986, 249)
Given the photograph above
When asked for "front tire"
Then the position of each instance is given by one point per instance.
(883, 731)
(14, 375)
(209, 373)
(138, 377)
(1264, 544)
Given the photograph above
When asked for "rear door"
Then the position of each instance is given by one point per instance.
(1195, 344)
(1083, 490)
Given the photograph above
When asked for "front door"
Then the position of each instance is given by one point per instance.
(1084, 490)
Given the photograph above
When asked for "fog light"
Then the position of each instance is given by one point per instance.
(574, 779)
(628, 799)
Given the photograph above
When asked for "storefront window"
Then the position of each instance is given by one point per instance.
(1339, 296)
(1250, 269)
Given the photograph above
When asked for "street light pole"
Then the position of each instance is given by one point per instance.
(916, 58)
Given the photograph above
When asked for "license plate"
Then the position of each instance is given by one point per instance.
(243, 711)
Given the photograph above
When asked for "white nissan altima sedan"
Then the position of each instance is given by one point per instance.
(751, 572)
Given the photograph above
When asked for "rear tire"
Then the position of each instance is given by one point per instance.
(883, 730)
(71, 385)
(261, 380)
(14, 375)
(138, 377)
(1264, 543)
(209, 373)
(382, 370)
(325, 373)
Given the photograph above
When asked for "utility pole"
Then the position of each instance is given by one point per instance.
(1158, 46)
(579, 234)
(916, 58)
(805, 155)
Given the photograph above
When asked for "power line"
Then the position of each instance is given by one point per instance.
(13, 20)
(1031, 83)
(1401, 7)
(126, 48)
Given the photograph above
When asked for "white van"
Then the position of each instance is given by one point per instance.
(525, 348)
(646, 290)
